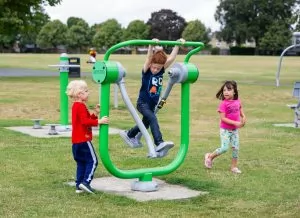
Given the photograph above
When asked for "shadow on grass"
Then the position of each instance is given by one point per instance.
(194, 184)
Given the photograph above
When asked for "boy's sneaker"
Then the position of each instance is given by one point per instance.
(86, 187)
(207, 161)
(138, 139)
(78, 190)
(163, 148)
(162, 153)
(164, 145)
(132, 142)
(236, 170)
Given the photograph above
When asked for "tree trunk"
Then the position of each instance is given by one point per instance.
(256, 46)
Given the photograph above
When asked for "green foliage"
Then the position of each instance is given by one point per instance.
(268, 23)
(298, 25)
(196, 31)
(78, 35)
(215, 51)
(136, 29)
(251, 20)
(9, 21)
(24, 28)
(6, 40)
(236, 50)
(109, 33)
(95, 28)
(15, 14)
(166, 25)
(36, 20)
(74, 21)
(52, 34)
(277, 36)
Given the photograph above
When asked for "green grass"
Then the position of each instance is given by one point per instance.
(33, 170)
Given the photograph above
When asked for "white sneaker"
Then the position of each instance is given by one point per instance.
(78, 191)
(163, 148)
(86, 187)
(162, 153)
(138, 141)
(138, 138)
(132, 142)
(236, 170)
(164, 145)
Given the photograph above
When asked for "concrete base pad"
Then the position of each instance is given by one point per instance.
(122, 187)
(43, 132)
(291, 125)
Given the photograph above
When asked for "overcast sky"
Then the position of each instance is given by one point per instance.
(125, 11)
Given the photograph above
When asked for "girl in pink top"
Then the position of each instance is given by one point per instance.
(232, 117)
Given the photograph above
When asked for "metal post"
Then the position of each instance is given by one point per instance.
(116, 96)
(64, 77)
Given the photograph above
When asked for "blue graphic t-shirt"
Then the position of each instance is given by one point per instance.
(151, 87)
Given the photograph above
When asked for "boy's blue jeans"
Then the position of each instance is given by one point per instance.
(149, 120)
(86, 160)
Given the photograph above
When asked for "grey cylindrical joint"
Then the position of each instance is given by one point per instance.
(122, 72)
(178, 73)
(174, 72)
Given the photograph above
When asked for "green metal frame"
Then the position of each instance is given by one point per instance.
(63, 80)
(106, 72)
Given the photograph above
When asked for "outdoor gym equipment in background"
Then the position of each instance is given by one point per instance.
(296, 43)
(296, 107)
(64, 79)
(296, 90)
(106, 72)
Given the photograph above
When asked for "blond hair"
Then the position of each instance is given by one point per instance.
(75, 87)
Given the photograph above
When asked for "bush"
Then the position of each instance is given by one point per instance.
(242, 50)
(215, 51)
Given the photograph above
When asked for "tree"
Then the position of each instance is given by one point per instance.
(37, 20)
(297, 28)
(109, 34)
(21, 21)
(15, 14)
(251, 19)
(136, 29)
(95, 28)
(78, 35)
(6, 40)
(277, 36)
(52, 34)
(166, 25)
(196, 31)
(74, 20)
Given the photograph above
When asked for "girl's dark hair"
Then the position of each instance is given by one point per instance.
(229, 85)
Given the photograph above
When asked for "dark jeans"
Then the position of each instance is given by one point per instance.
(149, 119)
(86, 160)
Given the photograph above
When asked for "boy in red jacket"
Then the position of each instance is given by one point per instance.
(82, 122)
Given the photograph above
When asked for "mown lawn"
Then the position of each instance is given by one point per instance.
(33, 170)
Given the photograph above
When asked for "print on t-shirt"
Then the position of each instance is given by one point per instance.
(155, 85)
(232, 109)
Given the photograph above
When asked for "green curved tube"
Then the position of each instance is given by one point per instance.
(138, 173)
(200, 45)
(63, 80)
(146, 174)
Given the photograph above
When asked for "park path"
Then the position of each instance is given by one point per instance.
(18, 72)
